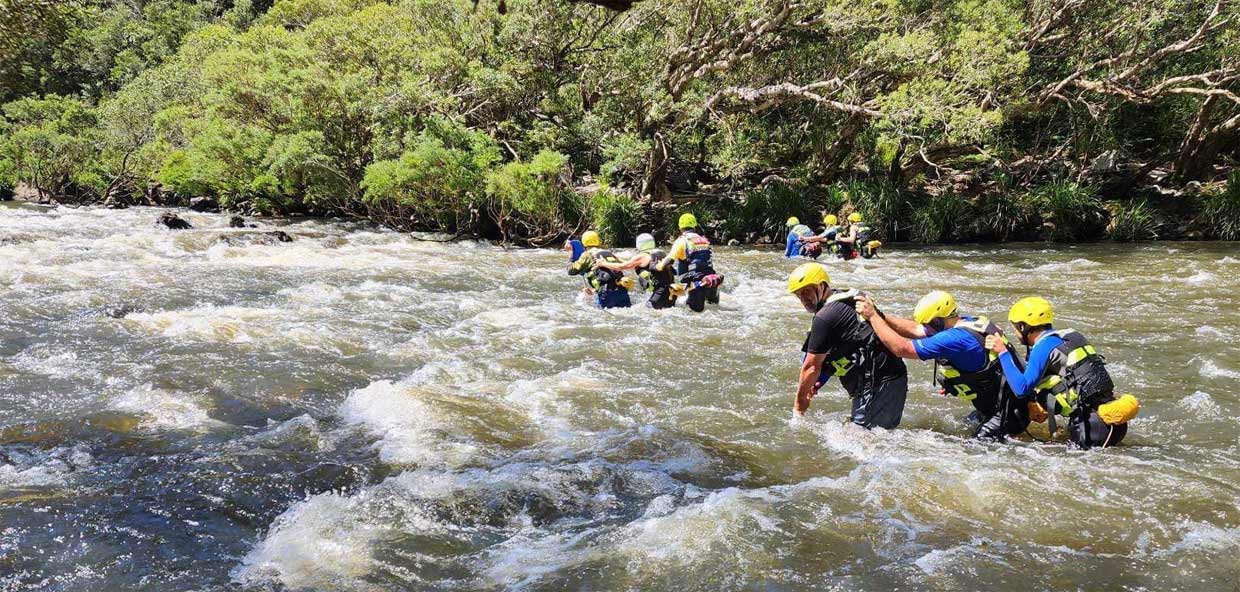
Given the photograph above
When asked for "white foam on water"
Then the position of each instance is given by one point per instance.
(165, 410)
(1201, 537)
(1202, 277)
(1202, 405)
(43, 469)
(316, 544)
(1209, 331)
(1211, 369)
(1079, 263)
(410, 431)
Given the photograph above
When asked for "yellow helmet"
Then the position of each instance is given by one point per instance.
(1034, 311)
(590, 239)
(854, 217)
(830, 220)
(793, 221)
(808, 274)
(688, 221)
(935, 305)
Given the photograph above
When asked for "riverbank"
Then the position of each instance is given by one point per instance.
(1061, 212)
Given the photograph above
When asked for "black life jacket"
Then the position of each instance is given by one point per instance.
(850, 356)
(1076, 377)
(981, 387)
(651, 278)
(600, 278)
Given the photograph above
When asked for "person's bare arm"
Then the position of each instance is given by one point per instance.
(896, 343)
(811, 368)
(852, 236)
(906, 327)
(633, 263)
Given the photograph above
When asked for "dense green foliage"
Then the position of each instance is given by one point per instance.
(527, 119)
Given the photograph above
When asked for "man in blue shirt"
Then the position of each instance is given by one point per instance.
(1065, 375)
(965, 369)
(795, 245)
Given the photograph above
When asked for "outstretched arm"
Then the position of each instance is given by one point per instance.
(808, 386)
(852, 236)
(1022, 383)
(895, 343)
(633, 263)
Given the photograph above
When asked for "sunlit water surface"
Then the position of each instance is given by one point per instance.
(360, 410)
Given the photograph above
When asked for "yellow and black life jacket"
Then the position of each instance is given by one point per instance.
(599, 278)
(848, 355)
(980, 387)
(651, 278)
(1076, 377)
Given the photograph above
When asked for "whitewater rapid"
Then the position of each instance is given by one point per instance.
(363, 410)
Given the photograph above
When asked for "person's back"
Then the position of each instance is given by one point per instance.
(864, 366)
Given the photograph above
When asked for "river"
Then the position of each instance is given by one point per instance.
(360, 410)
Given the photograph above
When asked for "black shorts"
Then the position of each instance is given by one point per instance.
(883, 405)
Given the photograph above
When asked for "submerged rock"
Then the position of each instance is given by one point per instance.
(173, 221)
(239, 222)
(254, 237)
(204, 204)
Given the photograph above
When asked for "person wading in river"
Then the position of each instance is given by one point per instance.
(827, 236)
(796, 245)
(661, 285)
(609, 288)
(694, 265)
(964, 368)
(1066, 375)
(841, 344)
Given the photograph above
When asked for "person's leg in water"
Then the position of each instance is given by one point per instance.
(882, 406)
(696, 299)
(1009, 418)
(613, 299)
(1087, 431)
(661, 297)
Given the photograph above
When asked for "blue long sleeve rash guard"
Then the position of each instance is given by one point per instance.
(1022, 383)
(791, 249)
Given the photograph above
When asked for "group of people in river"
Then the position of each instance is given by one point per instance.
(686, 269)
(856, 239)
(1061, 376)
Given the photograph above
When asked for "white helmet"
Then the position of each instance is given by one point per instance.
(645, 242)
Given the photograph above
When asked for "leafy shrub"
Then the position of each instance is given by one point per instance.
(882, 204)
(939, 218)
(530, 194)
(1072, 210)
(49, 144)
(614, 215)
(1004, 216)
(1220, 209)
(1133, 221)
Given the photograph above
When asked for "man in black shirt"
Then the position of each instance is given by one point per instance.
(841, 344)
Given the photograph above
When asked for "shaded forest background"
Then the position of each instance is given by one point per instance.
(527, 120)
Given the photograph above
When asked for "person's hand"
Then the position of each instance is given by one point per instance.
(865, 307)
(659, 267)
(995, 344)
(568, 246)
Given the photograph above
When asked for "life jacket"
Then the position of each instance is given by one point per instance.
(651, 278)
(864, 233)
(802, 230)
(698, 261)
(1076, 377)
(982, 386)
(848, 356)
(600, 278)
